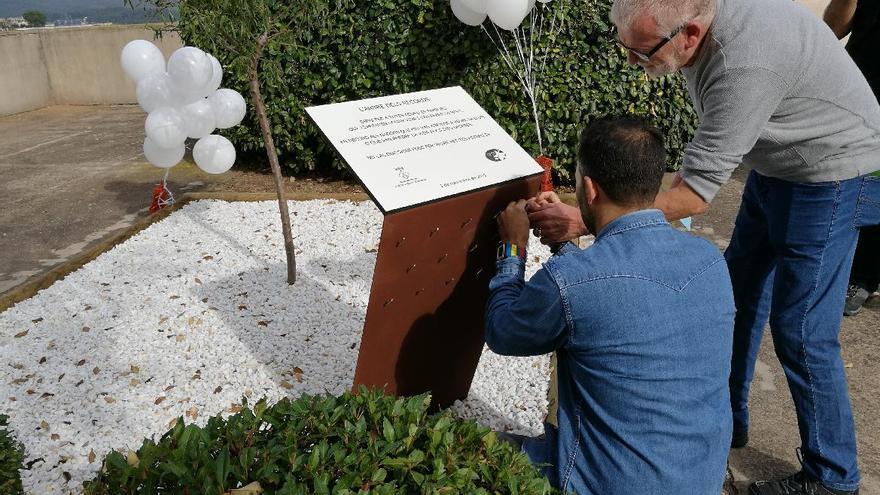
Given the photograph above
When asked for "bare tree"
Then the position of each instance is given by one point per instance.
(242, 31)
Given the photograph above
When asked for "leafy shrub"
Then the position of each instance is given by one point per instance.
(368, 48)
(11, 457)
(365, 443)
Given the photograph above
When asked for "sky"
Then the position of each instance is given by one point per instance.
(95, 10)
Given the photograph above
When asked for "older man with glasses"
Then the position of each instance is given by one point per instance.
(776, 91)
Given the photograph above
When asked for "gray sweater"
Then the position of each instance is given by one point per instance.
(775, 90)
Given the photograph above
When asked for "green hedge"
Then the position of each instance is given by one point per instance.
(11, 457)
(365, 443)
(369, 48)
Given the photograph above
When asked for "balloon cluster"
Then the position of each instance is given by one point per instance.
(183, 99)
(506, 14)
(521, 48)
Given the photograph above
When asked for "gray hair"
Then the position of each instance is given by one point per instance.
(669, 14)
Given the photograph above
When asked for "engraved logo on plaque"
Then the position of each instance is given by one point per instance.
(496, 155)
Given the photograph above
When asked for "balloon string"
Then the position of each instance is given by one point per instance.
(525, 77)
(529, 63)
(530, 86)
(169, 199)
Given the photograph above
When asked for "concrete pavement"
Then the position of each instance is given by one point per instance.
(74, 175)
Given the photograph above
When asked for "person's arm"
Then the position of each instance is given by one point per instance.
(522, 319)
(839, 16)
(736, 108)
(680, 201)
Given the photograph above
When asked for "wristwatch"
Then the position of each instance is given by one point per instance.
(507, 249)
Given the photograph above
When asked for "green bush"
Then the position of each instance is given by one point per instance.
(365, 443)
(11, 457)
(368, 48)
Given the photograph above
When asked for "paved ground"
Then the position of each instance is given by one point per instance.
(74, 175)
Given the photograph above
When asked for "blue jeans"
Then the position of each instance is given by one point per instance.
(790, 258)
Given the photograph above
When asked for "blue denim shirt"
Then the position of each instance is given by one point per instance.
(642, 324)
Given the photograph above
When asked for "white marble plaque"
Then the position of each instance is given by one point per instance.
(416, 148)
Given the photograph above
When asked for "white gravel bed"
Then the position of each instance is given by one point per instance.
(193, 313)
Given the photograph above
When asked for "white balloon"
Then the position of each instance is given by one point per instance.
(185, 96)
(465, 14)
(216, 76)
(478, 6)
(508, 14)
(141, 58)
(214, 154)
(166, 127)
(154, 91)
(190, 70)
(229, 107)
(163, 157)
(199, 118)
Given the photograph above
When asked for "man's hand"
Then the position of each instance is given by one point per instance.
(680, 201)
(542, 199)
(513, 224)
(554, 221)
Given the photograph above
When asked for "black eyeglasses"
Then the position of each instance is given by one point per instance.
(645, 57)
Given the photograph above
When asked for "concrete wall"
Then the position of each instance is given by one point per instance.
(24, 80)
(69, 66)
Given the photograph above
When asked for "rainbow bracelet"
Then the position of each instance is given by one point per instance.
(507, 249)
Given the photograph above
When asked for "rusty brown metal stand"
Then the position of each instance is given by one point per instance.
(424, 323)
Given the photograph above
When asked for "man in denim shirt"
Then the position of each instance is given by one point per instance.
(641, 322)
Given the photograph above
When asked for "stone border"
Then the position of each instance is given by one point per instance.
(41, 281)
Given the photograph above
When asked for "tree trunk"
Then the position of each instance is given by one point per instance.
(260, 107)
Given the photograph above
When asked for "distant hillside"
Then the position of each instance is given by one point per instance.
(96, 10)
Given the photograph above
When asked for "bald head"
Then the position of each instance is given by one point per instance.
(667, 14)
